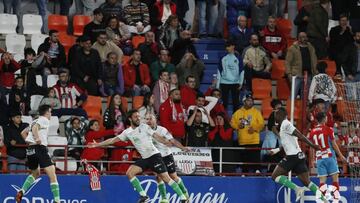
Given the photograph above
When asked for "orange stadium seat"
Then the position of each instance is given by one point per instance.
(67, 41)
(137, 102)
(284, 26)
(277, 69)
(261, 88)
(331, 67)
(136, 40)
(297, 108)
(79, 23)
(266, 108)
(283, 89)
(58, 22)
(93, 106)
(125, 59)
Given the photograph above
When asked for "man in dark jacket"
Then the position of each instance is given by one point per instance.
(240, 35)
(350, 59)
(93, 29)
(54, 51)
(149, 49)
(14, 135)
(111, 8)
(181, 46)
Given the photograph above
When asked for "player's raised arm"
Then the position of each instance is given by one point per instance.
(298, 134)
(159, 138)
(107, 142)
(177, 144)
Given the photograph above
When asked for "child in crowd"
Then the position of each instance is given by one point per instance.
(51, 100)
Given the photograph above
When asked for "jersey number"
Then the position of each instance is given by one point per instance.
(321, 139)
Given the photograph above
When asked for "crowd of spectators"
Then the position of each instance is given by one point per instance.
(166, 71)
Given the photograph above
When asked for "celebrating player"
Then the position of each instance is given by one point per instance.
(295, 158)
(326, 161)
(166, 156)
(37, 154)
(141, 136)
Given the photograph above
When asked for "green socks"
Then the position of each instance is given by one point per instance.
(28, 182)
(182, 186)
(162, 189)
(136, 184)
(286, 182)
(177, 189)
(314, 188)
(56, 191)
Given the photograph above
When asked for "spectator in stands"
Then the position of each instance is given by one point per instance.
(207, 22)
(85, 7)
(93, 29)
(349, 59)
(75, 129)
(70, 95)
(322, 86)
(13, 7)
(200, 104)
(118, 32)
(112, 8)
(42, 7)
(4, 108)
(137, 16)
(196, 130)
(161, 89)
(235, 8)
(8, 66)
(104, 47)
(240, 34)
(317, 28)
(173, 115)
(302, 18)
(174, 83)
(219, 107)
(72, 53)
(271, 139)
(19, 99)
(188, 92)
(248, 122)
(162, 10)
(87, 68)
(300, 58)
(29, 58)
(354, 13)
(277, 8)
(137, 78)
(260, 13)
(162, 64)
(190, 65)
(182, 46)
(170, 31)
(182, 7)
(319, 105)
(112, 75)
(273, 40)
(65, 7)
(114, 115)
(221, 136)
(230, 75)
(15, 134)
(149, 49)
(148, 107)
(340, 36)
(256, 62)
(51, 100)
(54, 52)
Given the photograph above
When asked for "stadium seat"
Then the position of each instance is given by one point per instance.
(15, 43)
(79, 22)
(26, 119)
(207, 56)
(32, 24)
(37, 40)
(8, 23)
(71, 164)
(56, 140)
(39, 80)
(266, 108)
(35, 102)
(137, 102)
(54, 126)
(297, 109)
(67, 41)
(283, 89)
(277, 69)
(331, 67)
(136, 40)
(58, 22)
(284, 26)
(52, 80)
(93, 106)
(261, 88)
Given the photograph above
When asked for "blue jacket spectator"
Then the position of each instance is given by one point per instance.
(240, 34)
(236, 8)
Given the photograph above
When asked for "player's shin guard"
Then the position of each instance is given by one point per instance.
(182, 186)
(336, 190)
(28, 182)
(162, 189)
(136, 184)
(56, 191)
(286, 182)
(313, 187)
(177, 189)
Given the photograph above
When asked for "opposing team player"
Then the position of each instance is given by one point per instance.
(166, 156)
(295, 158)
(37, 154)
(326, 162)
(141, 136)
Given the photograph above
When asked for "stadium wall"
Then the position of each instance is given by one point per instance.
(76, 189)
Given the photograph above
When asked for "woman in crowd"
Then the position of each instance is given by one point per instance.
(148, 106)
(118, 32)
(170, 32)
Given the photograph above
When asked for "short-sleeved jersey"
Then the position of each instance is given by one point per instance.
(44, 124)
(322, 135)
(164, 150)
(141, 138)
(289, 141)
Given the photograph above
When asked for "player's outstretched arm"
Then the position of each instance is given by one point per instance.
(107, 142)
(298, 134)
(179, 145)
(159, 138)
(338, 152)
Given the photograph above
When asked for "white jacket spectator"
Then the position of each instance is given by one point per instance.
(322, 86)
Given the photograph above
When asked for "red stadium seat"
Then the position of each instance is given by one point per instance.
(58, 22)
(331, 67)
(283, 89)
(284, 26)
(67, 41)
(136, 40)
(266, 108)
(261, 88)
(137, 102)
(297, 108)
(93, 107)
(277, 69)
(79, 23)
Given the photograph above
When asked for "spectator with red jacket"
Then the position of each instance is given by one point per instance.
(173, 115)
(137, 78)
(161, 11)
(8, 66)
(273, 40)
(188, 92)
(219, 107)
